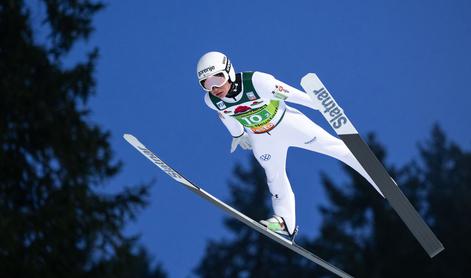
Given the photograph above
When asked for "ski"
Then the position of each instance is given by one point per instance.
(233, 212)
(339, 121)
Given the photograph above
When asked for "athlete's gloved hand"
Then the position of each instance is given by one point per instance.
(243, 141)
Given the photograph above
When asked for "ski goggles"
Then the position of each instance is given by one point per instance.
(216, 80)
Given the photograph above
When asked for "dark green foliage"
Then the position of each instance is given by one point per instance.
(364, 236)
(53, 160)
(127, 264)
(446, 176)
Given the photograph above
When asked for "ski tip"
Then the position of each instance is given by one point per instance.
(129, 137)
(308, 76)
(133, 140)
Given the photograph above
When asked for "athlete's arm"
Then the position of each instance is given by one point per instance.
(235, 128)
(267, 86)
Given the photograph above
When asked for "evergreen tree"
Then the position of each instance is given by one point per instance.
(128, 263)
(446, 178)
(360, 232)
(53, 160)
(363, 235)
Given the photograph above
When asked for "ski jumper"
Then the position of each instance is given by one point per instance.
(259, 108)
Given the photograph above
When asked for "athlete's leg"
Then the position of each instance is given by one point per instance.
(314, 138)
(271, 153)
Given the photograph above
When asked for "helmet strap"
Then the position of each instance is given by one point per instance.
(233, 91)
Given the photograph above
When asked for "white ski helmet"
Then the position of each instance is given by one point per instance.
(213, 63)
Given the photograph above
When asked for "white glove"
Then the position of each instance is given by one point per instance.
(243, 141)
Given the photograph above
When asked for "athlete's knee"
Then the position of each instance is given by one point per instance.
(279, 185)
(275, 177)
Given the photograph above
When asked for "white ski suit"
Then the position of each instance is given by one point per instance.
(259, 109)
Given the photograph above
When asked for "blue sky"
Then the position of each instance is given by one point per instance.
(396, 67)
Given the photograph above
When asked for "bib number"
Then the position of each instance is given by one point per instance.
(251, 120)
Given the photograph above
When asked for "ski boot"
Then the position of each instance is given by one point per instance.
(277, 224)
